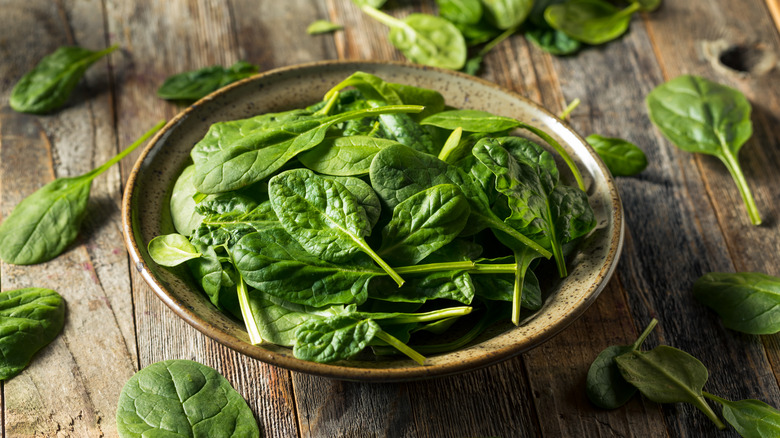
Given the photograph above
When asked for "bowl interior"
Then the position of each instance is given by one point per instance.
(145, 214)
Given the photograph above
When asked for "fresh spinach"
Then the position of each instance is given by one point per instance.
(323, 26)
(702, 116)
(621, 157)
(182, 398)
(506, 14)
(49, 84)
(344, 156)
(48, 220)
(553, 41)
(172, 250)
(605, 386)
(460, 11)
(748, 302)
(751, 418)
(193, 85)
(590, 21)
(30, 319)
(424, 39)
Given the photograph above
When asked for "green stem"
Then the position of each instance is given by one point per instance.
(561, 151)
(435, 267)
(400, 346)
(717, 399)
(493, 43)
(97, 171)
(383, 18)
(493, 268)
(452, 143)
(638, 343)
(433, 315)
(630, 9)
(501, 226)
(379, 261)
(744, 190)
(325, 110)
(246, 312)
(574, 104)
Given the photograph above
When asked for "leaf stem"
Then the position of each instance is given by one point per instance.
(435, 267)
(501, 226)
(325, 110)
(97, 171)
(246, 312)
(495, 41)
(558, 148)
(383, 18)
(638, 343)
(574, 104)
(383, 264)
(433, 315)
(452, 143)
(732, 164)
(400, 346)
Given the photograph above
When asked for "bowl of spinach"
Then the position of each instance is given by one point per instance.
(372, 221)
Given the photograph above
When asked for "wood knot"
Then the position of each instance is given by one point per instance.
(746, 59)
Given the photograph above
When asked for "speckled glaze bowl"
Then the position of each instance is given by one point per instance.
(145, 215)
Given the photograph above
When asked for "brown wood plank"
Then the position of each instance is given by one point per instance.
(73, 383)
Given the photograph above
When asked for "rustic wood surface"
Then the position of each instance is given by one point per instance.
(684, 218)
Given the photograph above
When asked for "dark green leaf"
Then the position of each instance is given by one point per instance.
(344, 156)
(553, 41)
(182, 398)
(751, 418)
(335, 338)
(506, 14)
(702, 116)
(194, 85)
(30, 319)
(748, 302)
(451, 285)
(322, 26)
(471, 121)
(49, 84)
(460, 11)
(590, 21)
(621, 157)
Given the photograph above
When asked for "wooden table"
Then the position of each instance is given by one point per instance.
(684, 218)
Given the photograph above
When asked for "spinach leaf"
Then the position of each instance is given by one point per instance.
(335, 338)
(423, 223)
(748, 302)
(425, 39)
(30, 319)
(605, 386)
(172, 250)
(366, 197)
(194, 85)
(751, 418)
(185, 218)
(278, 319)
(322, 26)
(667, 375)
(460, 11)
(474, 63)
(621, 157)
(398, 172)
(271, 261)
(453, 285)
(49, 84)
(648, 5)
(344, 156)
(506, 14)
(182, 398)
(590, 21)
(47, 221)
(553, 41)
(323, 216)
(259, 154)
(702, 116)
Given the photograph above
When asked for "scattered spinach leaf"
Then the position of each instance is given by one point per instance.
(590, 21)
(460, 11)
(621, 157)
(48, 220)
(751, 418)
(30, 319)
(323, 26)
(193, 85)
(506, 14)
(49, 84)
(702, 116)
(553, 41)
(748, 302)
(182, 398)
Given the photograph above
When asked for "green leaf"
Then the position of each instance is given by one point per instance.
(185, 218)
(323, 216)
(344, 156)
(182, 398)
(196, 84)
(748, 302)
(278, 319)
(751, 418)
(47, 221)
(322, 26)
(335, 338)
(425, 39)
(621, 157)
(649, 5)
(471, 121)
(30, 319)
(590, 21)
(553, 41)
(506, 14)
(366, 197)
(49, 84)
(451, 285)
(373, 3)
(702, 116)
(460, 11)
(172, 250)
(605, 386)
(667, 375)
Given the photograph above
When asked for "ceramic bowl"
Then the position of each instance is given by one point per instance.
(145, 215)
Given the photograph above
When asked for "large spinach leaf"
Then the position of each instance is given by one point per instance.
(30, 319)
(748, 302)
(702, 116)
(47, 221)
(49, 84)
(344, 156)
(185, 399)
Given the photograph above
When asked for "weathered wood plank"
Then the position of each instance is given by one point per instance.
(75, 382)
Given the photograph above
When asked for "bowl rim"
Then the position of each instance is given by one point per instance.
(336, 370)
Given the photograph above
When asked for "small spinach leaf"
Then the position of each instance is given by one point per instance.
(30, 319)
(182, 398)
(47, 221)
(322, 26)
(460, 11)
(621, 157)
(702, 116)
(553, 41)
(172, 250)
(590, 21)
(49, 84)
(194, 85)
(748, 302)
(751, 418)
(506, 14)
